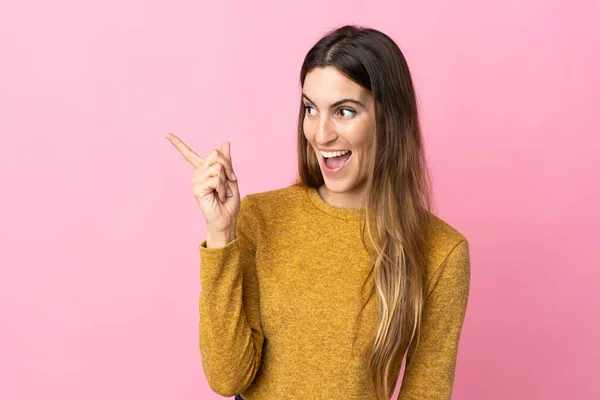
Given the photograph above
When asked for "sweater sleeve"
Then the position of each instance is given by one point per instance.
(231, 338)
(429, 372)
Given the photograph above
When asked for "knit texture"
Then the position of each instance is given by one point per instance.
(279, 303)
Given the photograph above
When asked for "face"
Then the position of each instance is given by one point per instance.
(339, 115)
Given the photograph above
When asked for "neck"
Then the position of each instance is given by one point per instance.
(351, 199)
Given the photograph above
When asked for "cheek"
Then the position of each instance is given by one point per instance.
(361, 137)
(308, 130)
(364, 144)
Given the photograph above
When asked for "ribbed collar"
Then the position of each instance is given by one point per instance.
(343, 213)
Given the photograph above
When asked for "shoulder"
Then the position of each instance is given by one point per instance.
(447, 248)
(443, 237)
(265, 214)
(272, 201)
(286, 193)
(257, 209)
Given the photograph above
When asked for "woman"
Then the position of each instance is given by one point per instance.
(319, 290)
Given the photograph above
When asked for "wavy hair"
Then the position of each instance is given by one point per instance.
(396, 210)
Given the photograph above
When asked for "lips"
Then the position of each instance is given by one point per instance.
(338, 168)
(330, 150)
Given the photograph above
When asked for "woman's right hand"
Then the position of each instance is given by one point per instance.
(215, 187)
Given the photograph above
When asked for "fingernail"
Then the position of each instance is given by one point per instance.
(229, 192)
(233, 175)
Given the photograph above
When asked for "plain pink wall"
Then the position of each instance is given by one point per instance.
(99, 278)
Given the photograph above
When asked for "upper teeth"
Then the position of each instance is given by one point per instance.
(329, 154)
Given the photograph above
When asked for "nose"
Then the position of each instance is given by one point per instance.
(326, 132)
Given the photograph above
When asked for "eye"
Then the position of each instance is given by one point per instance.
(351, 111)
(306, 109)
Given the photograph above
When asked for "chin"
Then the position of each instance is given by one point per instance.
(338, 185)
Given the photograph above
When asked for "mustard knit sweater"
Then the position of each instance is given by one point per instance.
(279, 302)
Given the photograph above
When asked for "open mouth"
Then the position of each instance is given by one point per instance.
(335, 164)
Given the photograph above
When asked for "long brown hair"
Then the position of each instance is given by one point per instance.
(398, 201)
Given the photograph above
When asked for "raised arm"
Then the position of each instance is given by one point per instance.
(231, 338)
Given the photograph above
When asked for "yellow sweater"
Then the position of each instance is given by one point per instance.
(279, 302)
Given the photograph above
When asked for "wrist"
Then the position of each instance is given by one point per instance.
(218, 239)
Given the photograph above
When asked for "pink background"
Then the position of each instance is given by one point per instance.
(99, 269)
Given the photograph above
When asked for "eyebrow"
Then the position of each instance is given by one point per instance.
(337, 103)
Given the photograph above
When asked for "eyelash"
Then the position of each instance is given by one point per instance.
(306, 106)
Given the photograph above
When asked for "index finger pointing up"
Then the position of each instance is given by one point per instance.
(185, 150)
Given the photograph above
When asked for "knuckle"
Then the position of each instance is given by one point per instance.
(200, 171)
(212, 158)
(222, 159)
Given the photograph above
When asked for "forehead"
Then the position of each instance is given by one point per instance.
(328, 85)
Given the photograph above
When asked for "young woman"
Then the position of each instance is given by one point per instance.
(320, 289)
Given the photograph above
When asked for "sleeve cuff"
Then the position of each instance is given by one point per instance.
(203, 247)
(218, 262)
